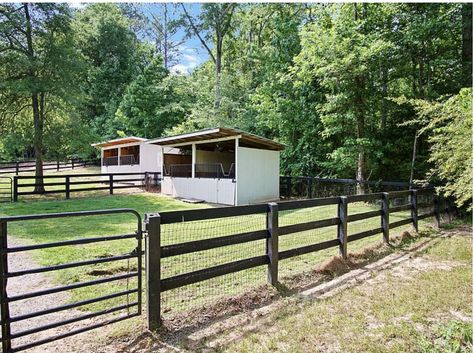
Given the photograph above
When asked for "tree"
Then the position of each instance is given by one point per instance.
(467, 44)
(164, 29)
(39, 65)
(212, 24)
(448, 123)
(154, 101)
(114, 58)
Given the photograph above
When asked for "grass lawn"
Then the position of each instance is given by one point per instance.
(190, 296)
(425, 306)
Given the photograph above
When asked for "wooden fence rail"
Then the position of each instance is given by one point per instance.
(156, 251)
(102, 181)
(17, 167)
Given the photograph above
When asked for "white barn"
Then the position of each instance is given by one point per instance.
(129, 155)
(220, 165)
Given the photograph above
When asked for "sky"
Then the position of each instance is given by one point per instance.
(192, 52)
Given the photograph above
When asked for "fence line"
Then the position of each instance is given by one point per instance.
(106, 181)
(310, 187)
(29, 166)
(157, 250)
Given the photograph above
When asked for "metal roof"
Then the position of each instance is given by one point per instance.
(119, 141)
(246, 139)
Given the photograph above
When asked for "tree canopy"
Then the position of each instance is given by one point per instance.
(368, 91)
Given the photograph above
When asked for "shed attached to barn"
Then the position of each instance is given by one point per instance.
(220, 165)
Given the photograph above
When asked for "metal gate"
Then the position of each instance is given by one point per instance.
(6, 186)
(132, 309)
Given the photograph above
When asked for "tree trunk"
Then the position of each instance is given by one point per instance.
(37, 104)
(467, 45)
(165, 36)
(217, 102)
(384, 95)
(360, 175)
(38, 143)
(413, 157)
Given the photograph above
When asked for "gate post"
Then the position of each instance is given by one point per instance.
(272, 243)
(153, 271)
(385, 218)
(342, 226)
(4, 309)
(414, 209)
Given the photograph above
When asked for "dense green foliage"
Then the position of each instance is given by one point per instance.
(333, 82)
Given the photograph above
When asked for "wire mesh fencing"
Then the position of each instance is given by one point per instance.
(210, 257)
(208, 291)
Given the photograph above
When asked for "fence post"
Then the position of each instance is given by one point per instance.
(310, 188)
(4, 308)
(288, 186)
(385, 218)
(272, 243)
(15, 188)
(153, 271)
(17, 169)
(72, 163)
(436, 209)
(111, 184)
(57, 165)
(414, 209)
(342, 226)
(68, 187)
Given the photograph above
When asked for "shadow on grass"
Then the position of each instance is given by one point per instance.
(193, 330)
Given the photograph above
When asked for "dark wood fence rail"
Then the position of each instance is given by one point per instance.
(102, 181)
(156, 251)
(18, 167)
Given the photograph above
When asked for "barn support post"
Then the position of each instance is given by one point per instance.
(414, 208)
(4, 308)
(272, 243)
(342, 226)
(153, 271)
(385, 218)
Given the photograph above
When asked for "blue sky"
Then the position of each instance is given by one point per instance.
(192, 52)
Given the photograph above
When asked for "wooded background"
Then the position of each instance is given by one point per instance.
(366, 91)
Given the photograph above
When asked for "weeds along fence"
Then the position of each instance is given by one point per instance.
(198, 258)
(17, 167)
(311, 187)
(88, 182)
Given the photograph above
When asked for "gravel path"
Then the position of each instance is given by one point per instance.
(31, 283)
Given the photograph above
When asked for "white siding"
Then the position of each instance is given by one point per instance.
(150, 158)
(210, 190)
(258, 175)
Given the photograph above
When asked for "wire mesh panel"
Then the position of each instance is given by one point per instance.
(302, 263)
(209, 291)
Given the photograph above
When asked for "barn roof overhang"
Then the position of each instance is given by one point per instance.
(219, 134)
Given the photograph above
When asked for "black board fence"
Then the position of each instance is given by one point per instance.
(17, 167)
(159, 249)
(311, 187)
(67, 183)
